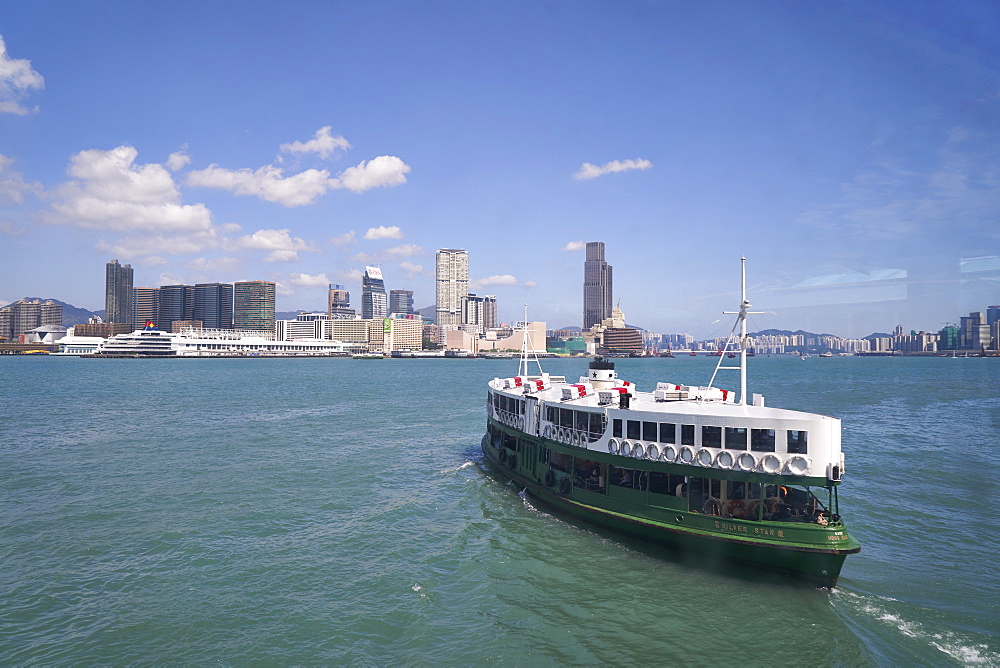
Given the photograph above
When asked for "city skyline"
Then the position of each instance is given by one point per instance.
(685, 142)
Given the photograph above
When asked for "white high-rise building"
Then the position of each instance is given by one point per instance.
(452, 285)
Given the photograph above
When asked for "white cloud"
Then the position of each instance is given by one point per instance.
(12, 184)
(17, 79)
(344, 239)
(405, 250)
(268, 183)
(502, 279)
(283, 246)
(530, 284)
(365, 258)
(7, 227)
(575, 246)
(383, 171)
(177, 160)
(411, 270)
(153, 244)
(111, 192)
(308, 280)
(590, 171)
(216, 265)
(383, 232)
(347, 276)
(152, 261)
(322, 143)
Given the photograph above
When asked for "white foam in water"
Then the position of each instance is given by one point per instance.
(458, 468)
(951, 644)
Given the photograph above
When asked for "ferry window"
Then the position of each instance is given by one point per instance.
(596, 425)
(711, 437)
(520, 407)
(797, 441)
(736, 438)
(550, 414)
(649, 431)
(582, 421)
(668, 432)
(665, 483)
(687, 434)
(565, 417)
(630, 478)
(616, 428)
(762, 440)
(634, 430)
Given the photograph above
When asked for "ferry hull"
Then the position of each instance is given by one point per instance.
(713, 540)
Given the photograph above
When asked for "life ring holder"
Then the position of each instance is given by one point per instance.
(547, 432)
(797, 465)
(550, 478)
(747, 461)
(689, 459)
(613, 446)
(770, 463)
(626, 449)
(735, 508)
(704, 457)
(639, 451)
(724, 460)
(653, 452)
(712, 503)
(668, 453)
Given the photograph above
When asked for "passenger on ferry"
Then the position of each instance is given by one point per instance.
(626, 480)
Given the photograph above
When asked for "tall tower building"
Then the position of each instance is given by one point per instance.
(253, 306)
(596, 286)
(118, 293)
(213, 305)
(452, 285)
(401, 302)
(176, 303)
(373, 299)
(338, 303)
(147, 306)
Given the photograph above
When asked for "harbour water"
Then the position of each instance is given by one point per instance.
(337, 511)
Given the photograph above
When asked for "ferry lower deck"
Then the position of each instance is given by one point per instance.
(766, 521)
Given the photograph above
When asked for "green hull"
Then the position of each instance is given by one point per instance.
(806, 551)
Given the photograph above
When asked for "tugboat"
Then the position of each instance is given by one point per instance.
(694, 468)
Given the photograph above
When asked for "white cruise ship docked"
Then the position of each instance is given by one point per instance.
(151, 342)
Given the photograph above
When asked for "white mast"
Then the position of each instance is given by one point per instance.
(742, 320)
(526, 346)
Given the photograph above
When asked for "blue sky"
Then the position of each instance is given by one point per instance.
(833, 144)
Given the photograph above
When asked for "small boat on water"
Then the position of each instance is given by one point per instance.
(694, 468)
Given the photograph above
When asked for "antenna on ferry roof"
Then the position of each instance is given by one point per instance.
(741, 321)
(526, 346)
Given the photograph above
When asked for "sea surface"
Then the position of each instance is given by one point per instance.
(338, 511)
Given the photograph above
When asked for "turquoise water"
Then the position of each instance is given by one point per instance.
(338, 512)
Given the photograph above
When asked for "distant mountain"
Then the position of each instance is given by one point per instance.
(72, 315)
(785, 332)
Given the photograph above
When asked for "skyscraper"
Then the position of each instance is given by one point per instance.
(401, 302)
(176, 304)
(373, 300)
(338, 303)
(118, 293)
(480, 311)
(213, 305)
(452, 285)
(596, 286)
(253, 306)
(147, 307)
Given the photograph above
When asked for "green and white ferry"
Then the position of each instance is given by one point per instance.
(694, 468)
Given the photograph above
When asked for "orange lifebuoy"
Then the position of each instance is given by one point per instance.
(735, 507)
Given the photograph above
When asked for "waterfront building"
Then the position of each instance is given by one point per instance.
(24, 315)
(400, 302)
(451, 285)
(971, 331)
(176, 302)
(620, 341)
(388, 334)
(103, 330)
(118, 293)
(146, 306)
(253, 306)
(597, 286)
(213, 305)
(480, 311)
(338, 303)
(354, 333)
(948, 338)
(373, 299)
